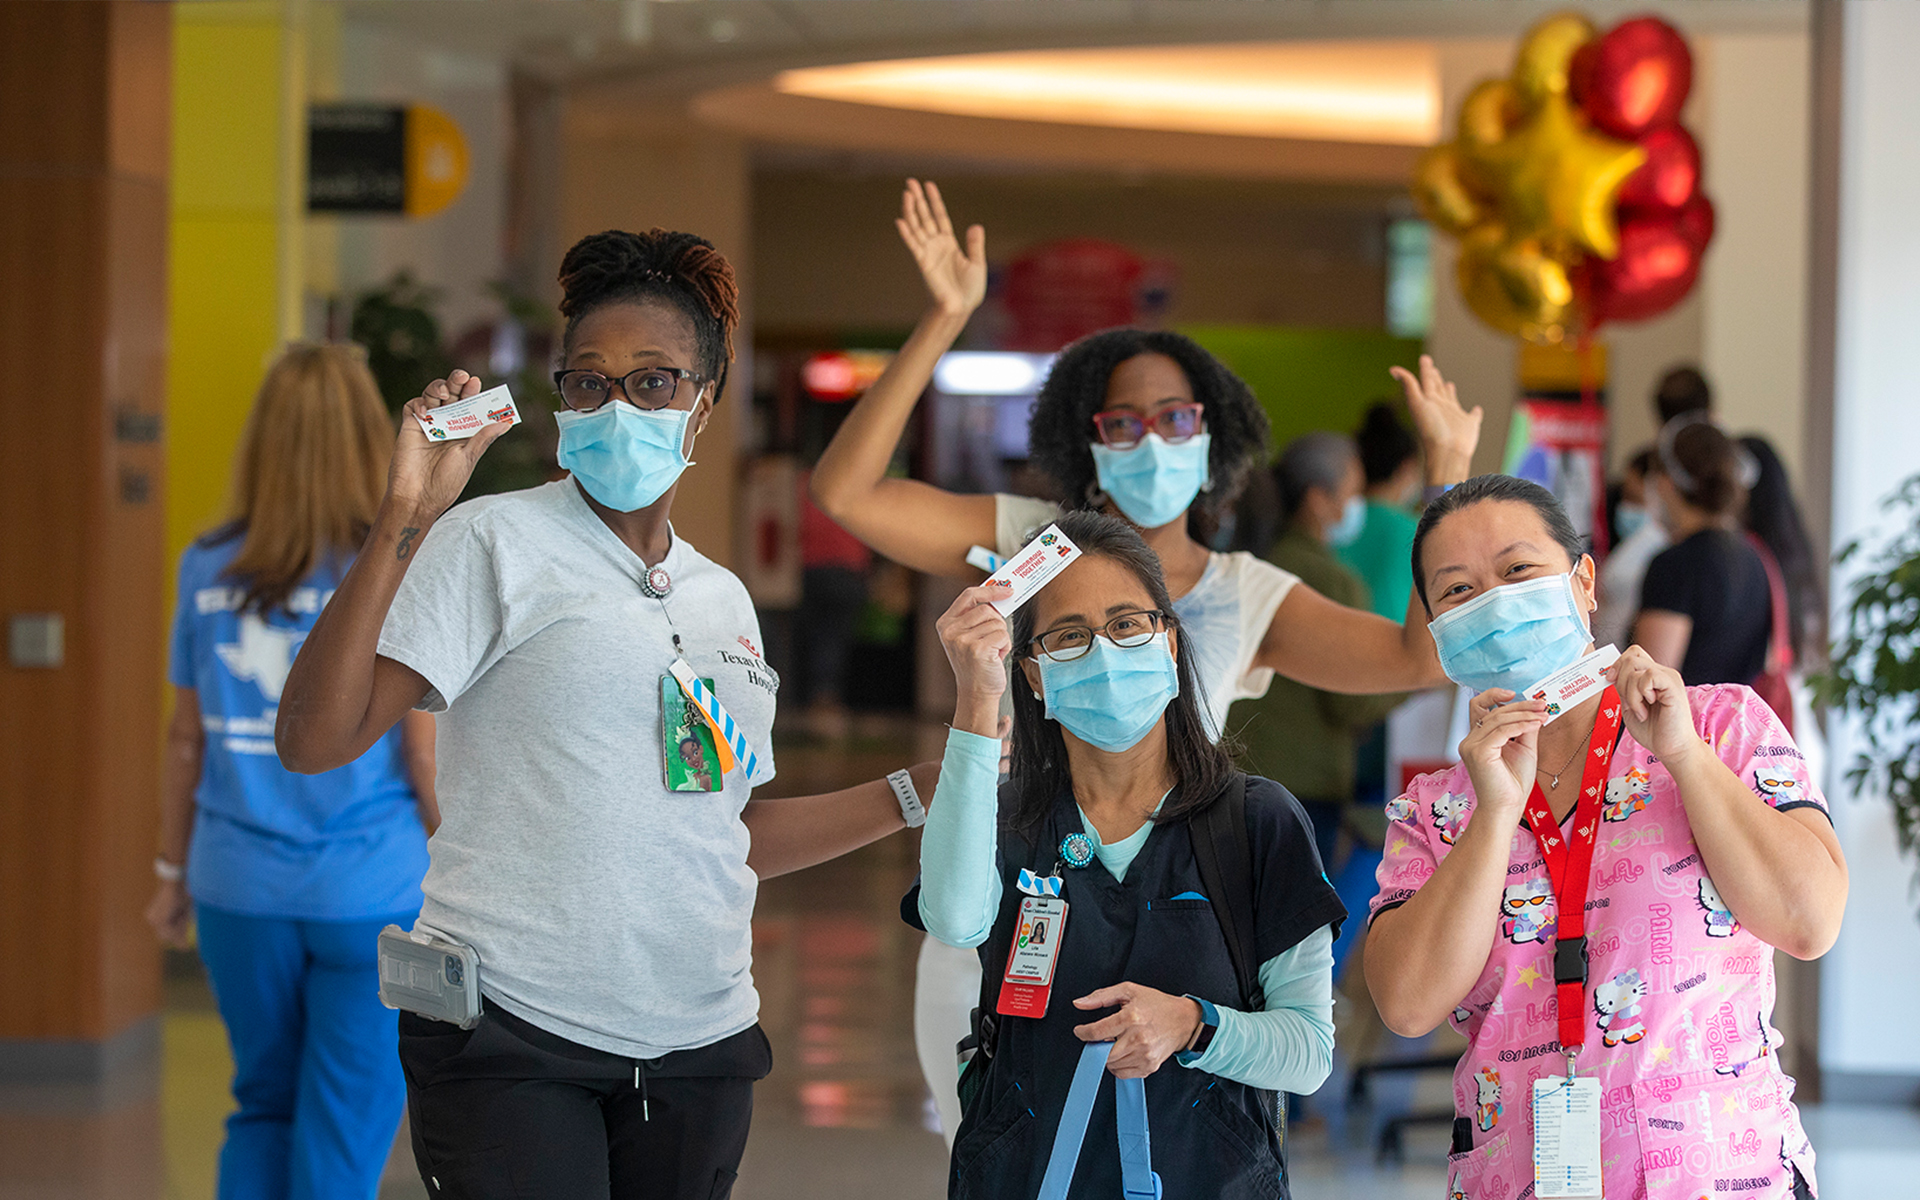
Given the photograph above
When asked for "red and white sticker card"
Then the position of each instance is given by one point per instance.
(464, 418)
(1029, 570)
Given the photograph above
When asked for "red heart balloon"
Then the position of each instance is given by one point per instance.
(1696, 221)
(1658, 263)
(1671, 175)
(1632, 78)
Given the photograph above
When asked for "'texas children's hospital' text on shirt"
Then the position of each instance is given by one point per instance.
(605, 908)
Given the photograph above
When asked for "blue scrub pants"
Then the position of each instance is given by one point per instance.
(316, 1055)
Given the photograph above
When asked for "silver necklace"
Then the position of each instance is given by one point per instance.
(1578, 751)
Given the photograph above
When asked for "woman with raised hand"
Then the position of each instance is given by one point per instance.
(289, 878)
(1143, 425)
(1149, 427)
(569, 638)
(1599, 886)
(1088, 872)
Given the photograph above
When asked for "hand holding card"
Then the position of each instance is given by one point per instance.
(1029, 570)
(431, 461)
(464, 418)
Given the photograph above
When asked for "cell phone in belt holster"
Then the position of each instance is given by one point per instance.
(426, 973)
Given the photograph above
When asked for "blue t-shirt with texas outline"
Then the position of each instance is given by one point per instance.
(343, 845)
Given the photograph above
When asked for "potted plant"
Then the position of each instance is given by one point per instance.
(1876, 664)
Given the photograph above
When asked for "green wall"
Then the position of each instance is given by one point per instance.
(1310, 379)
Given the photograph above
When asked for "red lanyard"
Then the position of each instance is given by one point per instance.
(1569, 867)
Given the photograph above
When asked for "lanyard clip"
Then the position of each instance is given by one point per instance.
(1570, 960)
(1571, 1055)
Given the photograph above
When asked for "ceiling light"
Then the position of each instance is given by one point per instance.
(1365, 92)
(990, 373)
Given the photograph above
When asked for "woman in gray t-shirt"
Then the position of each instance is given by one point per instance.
(606, 713)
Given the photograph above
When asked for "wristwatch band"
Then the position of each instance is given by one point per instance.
(1209, 1025)
(912, 811)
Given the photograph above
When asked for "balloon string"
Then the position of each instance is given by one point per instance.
(1589, 398)
(1589, 385)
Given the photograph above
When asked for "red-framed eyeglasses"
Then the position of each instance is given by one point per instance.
(1122, 429)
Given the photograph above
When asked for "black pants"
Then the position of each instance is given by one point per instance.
(509, 1110)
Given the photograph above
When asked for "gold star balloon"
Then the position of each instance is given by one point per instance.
(1530, 186)
(1556, 180)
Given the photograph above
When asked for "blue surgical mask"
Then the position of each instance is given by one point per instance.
(1353, 518)
(1631, 518)
(625, 457)
(1155, 482)
(1512, 636)
(1111, 696)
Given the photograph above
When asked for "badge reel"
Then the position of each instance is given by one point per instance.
(1042, 926)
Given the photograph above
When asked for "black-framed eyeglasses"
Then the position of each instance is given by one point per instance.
(1127, 630)
(648, 387)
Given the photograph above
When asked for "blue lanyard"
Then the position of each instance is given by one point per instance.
(1137, 1179)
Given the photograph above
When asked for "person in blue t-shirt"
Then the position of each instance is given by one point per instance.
(288, 877)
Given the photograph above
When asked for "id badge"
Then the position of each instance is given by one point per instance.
(1036, 948)
(690, 762)
(1566, 1136)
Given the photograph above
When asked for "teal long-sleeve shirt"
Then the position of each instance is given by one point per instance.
(1288, 1046)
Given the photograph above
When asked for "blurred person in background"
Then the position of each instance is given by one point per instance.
(1779, 533)
(1773, 516)
(1706, 606)
(1298, 736)
(1379, 551)
(833, 590)
(290, 878)
(1681, 390)
(1639, 535)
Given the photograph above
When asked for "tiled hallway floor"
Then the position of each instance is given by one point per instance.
(843, 1115)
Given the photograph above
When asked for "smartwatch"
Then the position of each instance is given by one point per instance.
(1209, 1025)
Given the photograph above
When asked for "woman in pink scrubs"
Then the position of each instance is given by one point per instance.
(1710, 846)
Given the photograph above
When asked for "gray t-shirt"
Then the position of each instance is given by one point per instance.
(605, 908)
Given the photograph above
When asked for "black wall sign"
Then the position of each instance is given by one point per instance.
(356, 158)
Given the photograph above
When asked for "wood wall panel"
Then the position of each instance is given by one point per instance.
(83, 210)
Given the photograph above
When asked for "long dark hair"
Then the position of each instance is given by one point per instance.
(1061, 435)
(1200, 765)
(1774, 517)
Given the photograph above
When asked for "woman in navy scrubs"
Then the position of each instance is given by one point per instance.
(1112, 759)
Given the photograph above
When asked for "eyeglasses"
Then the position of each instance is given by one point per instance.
(1127, 630)
(1121, 429)
(649, 387)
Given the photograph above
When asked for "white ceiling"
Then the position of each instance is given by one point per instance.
(713, 41)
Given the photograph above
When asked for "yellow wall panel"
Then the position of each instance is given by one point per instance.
(223, 295)
(224, 286)
(226, 113)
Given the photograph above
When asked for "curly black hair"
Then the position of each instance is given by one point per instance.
(680, 270)
(1061, 434)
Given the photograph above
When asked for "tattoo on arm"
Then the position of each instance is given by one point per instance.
(406, 541)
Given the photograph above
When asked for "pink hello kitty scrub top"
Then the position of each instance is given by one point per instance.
(1679, 996)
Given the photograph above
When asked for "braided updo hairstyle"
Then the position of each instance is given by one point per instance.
(680, 270)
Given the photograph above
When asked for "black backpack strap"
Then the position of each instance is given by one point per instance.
(1224, 854)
